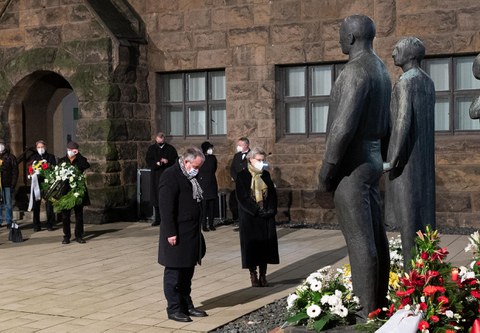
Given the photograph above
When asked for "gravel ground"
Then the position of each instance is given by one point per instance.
(273, 315)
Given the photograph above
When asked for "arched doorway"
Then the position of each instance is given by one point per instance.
(43, 106)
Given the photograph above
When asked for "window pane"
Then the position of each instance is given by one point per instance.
(218, 120)
(438, 71)
(295, 85)
(218, 86)
(442, 115)
(319, 117)
(196, 86)
(463, 120)
(464, 77)
(321, 80)
(295, 118)
(174, 88)
(175, 120)
(196, 120)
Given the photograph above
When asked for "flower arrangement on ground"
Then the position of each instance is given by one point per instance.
(55, 182)
(396, 262)
(324, 300)
(432, 292)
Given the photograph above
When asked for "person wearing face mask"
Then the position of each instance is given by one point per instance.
(239, 163)
(208, 182)
(42, 154)
(9, 177)
(160, 156)
(74, 157)
(257, 207)
(181, 244)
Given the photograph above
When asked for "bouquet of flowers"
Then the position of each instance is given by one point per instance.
(324, 300)
(396, 262)
(56, 182)
(37, 167)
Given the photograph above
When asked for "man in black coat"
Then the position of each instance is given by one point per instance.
(352, 165)
(239, 163)
(181, 245)
(39, 155)
(208, 182)
(160, 156)
(8, 182)
(74, 157)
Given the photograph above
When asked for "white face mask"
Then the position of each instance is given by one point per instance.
(209, 151)
(239, 149)
(41, 151)
(259, 165)
(2, 148)
(193, 172)
(70, 153)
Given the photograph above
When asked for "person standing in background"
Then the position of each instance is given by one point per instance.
(239, 163)
(8, 182)
(42, 154)
(160, 156)
(208, 182)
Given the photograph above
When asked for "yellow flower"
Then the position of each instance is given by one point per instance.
(393, 280)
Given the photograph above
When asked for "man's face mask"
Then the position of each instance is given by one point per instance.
(2, 147)
(72, 152)
(41, 151)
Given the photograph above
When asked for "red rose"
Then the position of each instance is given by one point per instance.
(30, 170)
(475, 293)
(405, 301)
(424, 255)
(423, 306)
(44, 166)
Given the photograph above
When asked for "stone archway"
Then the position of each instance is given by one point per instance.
(43, 106)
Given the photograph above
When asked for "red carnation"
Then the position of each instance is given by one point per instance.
(374, 313)
(430, 290)
(30, 170)
(44, 166)
(442, 299)
(434, 319)
(423, 325)
(424, 255)
(423, 306)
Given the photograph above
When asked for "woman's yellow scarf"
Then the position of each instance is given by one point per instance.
(258, 186)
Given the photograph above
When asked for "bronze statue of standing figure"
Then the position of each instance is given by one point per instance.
(410, 183)
(352, 165)
(475, 107)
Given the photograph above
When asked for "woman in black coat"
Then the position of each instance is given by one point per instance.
(208, 181)
(257, 201)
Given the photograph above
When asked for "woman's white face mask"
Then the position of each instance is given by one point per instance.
(2, 147)
(209, 151)
(70, 153)
(41, 151)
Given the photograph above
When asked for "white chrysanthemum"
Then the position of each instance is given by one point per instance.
(72, 185)
(334, 300)
(313, 311)
(316, 285)
(324, 299)
(449, 313)
(76, 194)
(58, 178)
(63, 164)
(45, 181)
(314, 276)
(356, 299)
(291, 300)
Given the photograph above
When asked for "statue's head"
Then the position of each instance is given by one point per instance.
(356, 28)
(476, 67)
(409, 49)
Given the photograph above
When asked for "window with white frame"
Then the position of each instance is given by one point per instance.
(455, 87)
(304, 97)
(193, 103)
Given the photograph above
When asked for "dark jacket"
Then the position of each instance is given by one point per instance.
(9, 169)
(180, 215)
(154, 154)
(239, 163)
(207, 179)
(258, 236)
(82, 164)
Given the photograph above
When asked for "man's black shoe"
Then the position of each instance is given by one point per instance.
(49, 228)
(205, 229)
(155, 223)
(66, 241)
(37, 229)
(181, 317)
(80, 240)
(197, 312)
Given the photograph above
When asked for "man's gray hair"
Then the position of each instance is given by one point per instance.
(192, 153)
(256, 151)
(414, 47)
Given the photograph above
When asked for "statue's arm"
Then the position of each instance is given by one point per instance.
(402, 122)
(475, 108)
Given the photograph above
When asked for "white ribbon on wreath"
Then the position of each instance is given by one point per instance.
(34, 191)
(402, 321)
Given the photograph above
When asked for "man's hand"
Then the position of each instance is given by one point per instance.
(172, 240)
(325, 179)
(164, 161)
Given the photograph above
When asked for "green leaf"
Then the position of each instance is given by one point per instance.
(320, 324)
(296, 318)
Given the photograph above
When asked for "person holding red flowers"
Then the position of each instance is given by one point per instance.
(42, 155)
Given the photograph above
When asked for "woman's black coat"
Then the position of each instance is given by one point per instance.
(258, 236)
(207, 179)
(180, 215)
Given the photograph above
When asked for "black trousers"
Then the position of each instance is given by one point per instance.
(177, 286)
(36, 214)
(157, 214)
(208, 212)
(78, 222)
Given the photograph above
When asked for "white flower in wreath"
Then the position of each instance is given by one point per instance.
(58, 178)
(314, 311)
(291, 300)
(72, 185)
(76, 194)
(340, 310)
(316, 285)
(71, 179)
(314, 276)
(63, 164)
